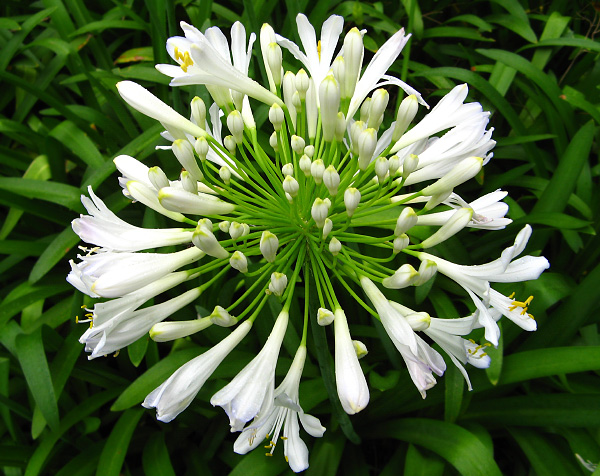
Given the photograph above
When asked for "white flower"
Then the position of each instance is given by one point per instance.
(449, 112)
(350, 380)
(317, 57)
(128, 326)
(176, 393)
(111, 274)
(476, 281)
(421, 360)
(206, 61)
(488, 212)
(103, 228)
(243, 397)
(283, 411)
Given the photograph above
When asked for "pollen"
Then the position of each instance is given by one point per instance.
(184, 59)
(521, 304)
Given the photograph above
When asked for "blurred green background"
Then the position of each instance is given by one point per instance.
(535, 65)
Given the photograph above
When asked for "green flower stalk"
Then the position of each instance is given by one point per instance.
(292, 212)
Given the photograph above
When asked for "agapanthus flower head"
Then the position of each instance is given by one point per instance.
(293, 217)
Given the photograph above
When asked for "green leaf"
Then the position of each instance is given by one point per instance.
(454, 386)
(59, 193)
(564, 178)
(54, 253)
(421, 463)
(459, 447)
(152, 378)
(155, 458)
(113, 454)
(31, 355)
(78, 142)
(537, 410)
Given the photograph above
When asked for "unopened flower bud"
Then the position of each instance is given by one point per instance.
(168, 331)
(364, 110)
(335, 246)
(427, 270)
(205, 223)
(222, 318)
(238, 261)
(351, 200)
(297, 144)
(274, 58)
(230, 144)
(317, 169)
(310, 151)
(201, 147)
(205, 240)
(287, 169)
(419, 321)
(224, 226)
(379, 103)
(276, 116)
(329, 98)
(406, 113)
(381, 168)
(185, 155)
(246, 229)
(403, 277)
(278, 283)
(394, 165)
(401, 242)
(360, 349)
(339, 71)
(355, 130)
(353, 57)
(331, 179)
(302, 83)
(327, 227)
(305, 164)
(188, 183)
(198, 112)
(225, 174)
(296, 100)
(340, 127)
(236, 230)
(319, 211)
(409, 165)
(324, 316)
(268, 245)
(459, 219)
(367, 141)
(463, 171)
(407, 219)
(157, 178)
(235, 123)
(435, 200)
(274, 142)
(290, 185)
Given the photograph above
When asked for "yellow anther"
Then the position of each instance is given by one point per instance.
(268, 454)
(76, 319)
(116, 353)
(91, 324)
(472, 341)
(267, 447)
(273, 443)
(184, 59)
(287, 460)
(284, 438)
(319, 49)
(483, 354)
(512, 295)
(522, 304)
(83, 307)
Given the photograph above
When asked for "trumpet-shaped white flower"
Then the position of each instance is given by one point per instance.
(421, 360)
(350, 380)
(476, 281)
(129, 326)
(103, 228)
(283, 411)
(317, 57)
(449, 112)
(244, 396)
(176, 393)
(204, 59)
(110, 274)
(488, 212)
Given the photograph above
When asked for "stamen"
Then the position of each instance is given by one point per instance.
(319, 49)
(522, 304)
